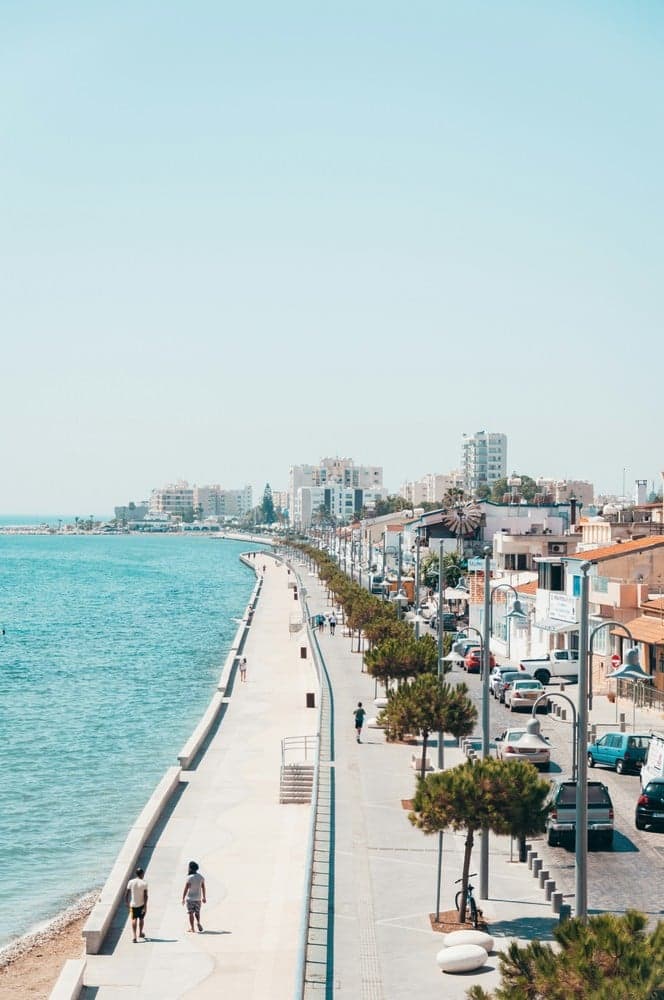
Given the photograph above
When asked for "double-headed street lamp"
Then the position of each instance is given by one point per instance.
(628, 669)
(516, 612)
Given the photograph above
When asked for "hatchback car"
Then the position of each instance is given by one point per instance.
(622, 751)
(522, 694)
(509, 747)
(473, 660)
(650, 805)
(496, 677)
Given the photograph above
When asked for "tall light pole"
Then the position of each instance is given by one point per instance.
(417, 584)
(441, 619)
(581, 844)
(484, 845)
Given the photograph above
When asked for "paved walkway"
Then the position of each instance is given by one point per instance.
(385, 869)
(250, 848)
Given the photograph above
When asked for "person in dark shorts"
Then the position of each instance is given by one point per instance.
(136, 898)
(359, 714)
(194, 895)
(333, 622)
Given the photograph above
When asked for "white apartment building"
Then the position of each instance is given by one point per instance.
(340, 502)
(483, 459)
(173, 499)
(330, 472)
(431, 488)
(217, 502)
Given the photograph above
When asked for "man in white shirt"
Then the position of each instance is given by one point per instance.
(136, 898)
(194, 895)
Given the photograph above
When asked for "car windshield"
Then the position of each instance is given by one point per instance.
(638, 742)
(597, 794)
(514, 735)
(527, 686)
(513, 676)
(655, 789)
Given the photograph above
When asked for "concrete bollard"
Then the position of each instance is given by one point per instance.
(565, 912)
(537, 867)
(530, 857)
(543, 878)
(556, 901)
(563, 714)
(549, 888)
(593, 734)
(621, 719)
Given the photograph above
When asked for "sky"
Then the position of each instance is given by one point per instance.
(236, 237)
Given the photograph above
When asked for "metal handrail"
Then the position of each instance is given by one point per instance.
(293, 743)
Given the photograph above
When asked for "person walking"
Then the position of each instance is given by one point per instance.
(136, 898)
(333, 622)
(194, 895)
(243, 669)
(359, 714)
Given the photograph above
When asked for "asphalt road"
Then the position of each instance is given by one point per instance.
(631, 875)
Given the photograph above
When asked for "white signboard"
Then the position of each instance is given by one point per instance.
(562, 607)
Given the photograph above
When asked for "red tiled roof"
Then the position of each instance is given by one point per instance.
(619, 549)
(527, 588)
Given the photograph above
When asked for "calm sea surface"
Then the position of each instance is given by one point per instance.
(112, 650)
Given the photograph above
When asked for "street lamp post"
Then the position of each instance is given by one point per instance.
(441, 619)
(581, 840)
(534, 722)
(417, 584)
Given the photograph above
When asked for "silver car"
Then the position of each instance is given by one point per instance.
(522, 694)
(509, 747)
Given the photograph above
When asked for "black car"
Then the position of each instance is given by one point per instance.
(650, 805)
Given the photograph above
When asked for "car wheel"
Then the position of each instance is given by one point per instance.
(591, 760)
(620, 766)
(639, 824)
(511, 707)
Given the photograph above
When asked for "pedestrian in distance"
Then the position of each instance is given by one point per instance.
(243, 669)
(136, 898)
(333, 623)
(194, 896)
(359, 714)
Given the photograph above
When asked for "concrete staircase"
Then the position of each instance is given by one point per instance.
(296, 783)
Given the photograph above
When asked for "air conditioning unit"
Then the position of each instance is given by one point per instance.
(557, 547)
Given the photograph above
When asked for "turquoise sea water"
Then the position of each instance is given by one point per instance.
(112, 649)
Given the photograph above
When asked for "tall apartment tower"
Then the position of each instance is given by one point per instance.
(483, 459)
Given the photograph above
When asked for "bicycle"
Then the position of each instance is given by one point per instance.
(471, 905)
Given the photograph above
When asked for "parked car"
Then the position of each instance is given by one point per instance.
(497, 675)
(650, 805)
(561, 821)
(522, 694)
(509, 747)
(622, 751)
(473, 660)
(507, 680)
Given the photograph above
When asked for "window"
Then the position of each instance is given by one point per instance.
(551, 576)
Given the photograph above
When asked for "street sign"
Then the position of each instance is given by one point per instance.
(616, 661)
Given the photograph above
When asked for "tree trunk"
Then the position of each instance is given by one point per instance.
(522, 848)
(468, 850)
(425, 737)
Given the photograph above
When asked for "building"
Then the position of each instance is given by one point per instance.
(483, 460)
(131, 512)
(431, 488)
(213, 501)
(175, 499)
(349, 485)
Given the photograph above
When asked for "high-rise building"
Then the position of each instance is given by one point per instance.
(175, 498)
(483, 460)
(431, 488)
(213, 501)
(349, 488)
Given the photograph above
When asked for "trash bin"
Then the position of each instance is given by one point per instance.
(303, 652)
(295, 595)
(311, 699)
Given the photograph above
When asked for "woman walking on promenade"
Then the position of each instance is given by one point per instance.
(243, 668)
(194, 895)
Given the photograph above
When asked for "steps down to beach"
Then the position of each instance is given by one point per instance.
(296, 783)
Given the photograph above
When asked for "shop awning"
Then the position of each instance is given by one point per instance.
(555, 625)
(646, 628)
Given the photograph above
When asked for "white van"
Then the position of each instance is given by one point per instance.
(653, 766)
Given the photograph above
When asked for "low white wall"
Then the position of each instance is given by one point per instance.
(70, 980)
(98, 922)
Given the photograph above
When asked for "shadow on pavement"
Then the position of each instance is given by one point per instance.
(623, 844)
(523, 927)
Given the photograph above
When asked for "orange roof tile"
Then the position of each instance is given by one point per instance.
(619, 549)
(527, 588)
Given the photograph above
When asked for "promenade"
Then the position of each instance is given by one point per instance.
(226, 816)
(381, 879)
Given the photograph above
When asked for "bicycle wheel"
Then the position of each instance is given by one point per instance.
(474, 915)
(457, 899)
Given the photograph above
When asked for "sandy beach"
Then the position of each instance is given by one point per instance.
(30, 966)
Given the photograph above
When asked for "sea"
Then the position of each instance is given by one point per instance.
(111, 651)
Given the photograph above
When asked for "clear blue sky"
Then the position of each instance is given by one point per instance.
(237, 236)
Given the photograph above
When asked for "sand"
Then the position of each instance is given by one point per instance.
(30, 966)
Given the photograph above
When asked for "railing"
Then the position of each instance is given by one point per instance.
(646, 695)
(306, 745)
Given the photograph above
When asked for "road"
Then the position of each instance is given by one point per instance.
(630, 875)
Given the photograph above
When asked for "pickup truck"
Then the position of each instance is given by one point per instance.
(559, 663)
(561, 821)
